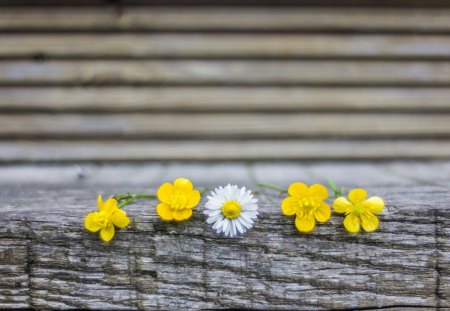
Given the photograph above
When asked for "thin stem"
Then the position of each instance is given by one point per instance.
(273, 187)
(126, 199)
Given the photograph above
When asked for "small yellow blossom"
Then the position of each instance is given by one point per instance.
(108, 216)
(177, 200)
(359, 211)
(308, 204)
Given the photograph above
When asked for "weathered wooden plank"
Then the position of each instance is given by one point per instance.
(224, 45)
(225, 72)
(189, 150)
(404, 264)
(225, 19)
(224, 125)
(293, 3)
(123, 98)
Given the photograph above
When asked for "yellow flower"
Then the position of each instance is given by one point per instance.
(177, 200)
(108, 216)
(359, 211)
(307, 203)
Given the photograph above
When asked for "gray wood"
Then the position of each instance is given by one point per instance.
(224, 125)
(225, 19)
(50, 261)
(224, 45)
(226, 72)
(224, 98)
(213, 150)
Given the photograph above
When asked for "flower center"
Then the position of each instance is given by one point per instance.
(103, 220)
(179, 200)
(308, 205)
(231, 209)
(358, 209)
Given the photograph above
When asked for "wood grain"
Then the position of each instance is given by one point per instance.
(231, 99)
(225, 72)
(225, 19)
(49, 261)
(228, 150)
(223, 45)
(224, 125)
(292, 3)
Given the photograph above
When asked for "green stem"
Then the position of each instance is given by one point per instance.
(273, 187)
(126, 199)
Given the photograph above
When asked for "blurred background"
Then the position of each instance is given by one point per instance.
(136, 80)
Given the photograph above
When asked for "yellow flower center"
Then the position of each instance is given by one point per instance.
(358, 209)
(308, 205)
(231, 209)
(103, 220)
(179, 200)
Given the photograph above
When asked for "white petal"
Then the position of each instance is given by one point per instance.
(239, 227)
(226, 224)
(218, 224)
(213, 212)
(233, 228)
(212, 219)
(245, 223)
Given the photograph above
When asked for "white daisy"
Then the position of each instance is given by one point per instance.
(231, 210)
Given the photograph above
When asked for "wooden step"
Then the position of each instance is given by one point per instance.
(226, 19)
(224, 125)
(417, 73)
(223, 46)
(231, 99)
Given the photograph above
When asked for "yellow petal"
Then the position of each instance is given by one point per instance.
(298, 190)
(99, 202)
(184, 214)
(120, 219)
(369, 221)
(357, 196)
(107, 233)
(342, 205)
(194, 199)
(351, 223)
(165, 192)
(90, 222)
(323, 212)
(164, 211)
(374, 204)
(183, 183)
(305, 224)
(109, 205)
(318, 191)
(289, 206)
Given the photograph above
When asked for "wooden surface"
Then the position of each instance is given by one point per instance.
(183, 83)
(113, 97)
(50, 261)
